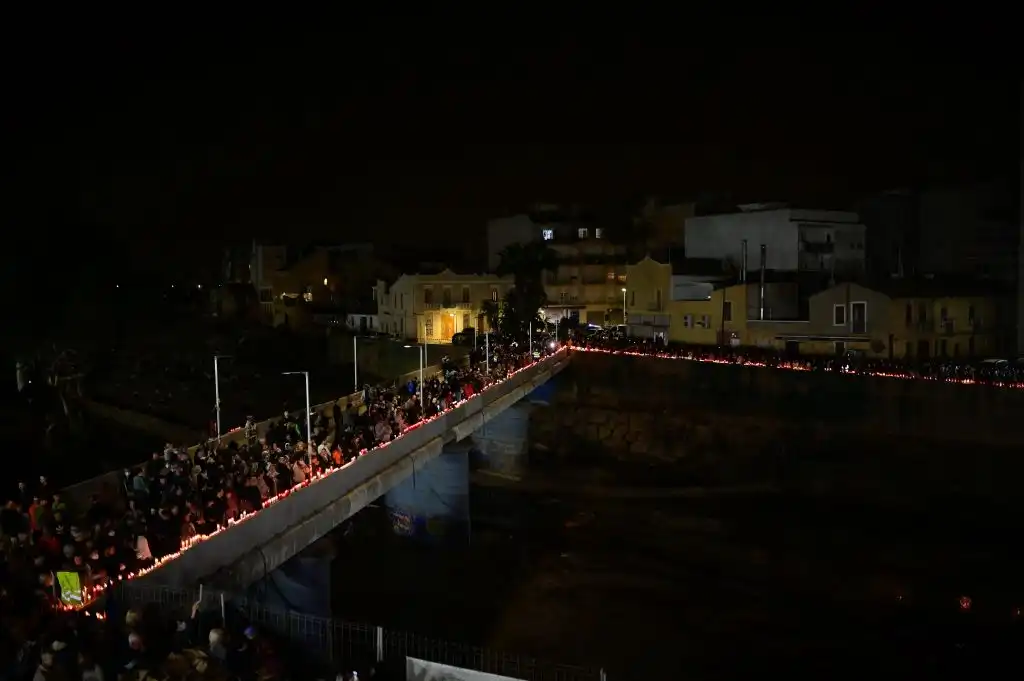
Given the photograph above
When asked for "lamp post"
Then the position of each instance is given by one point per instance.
(216, 388)
(309, 425)
(487, 353)
(355, 364)
(422, 349)
(624, 318)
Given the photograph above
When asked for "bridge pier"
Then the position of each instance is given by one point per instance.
(433, 502)
(500, 446)
(302, 584)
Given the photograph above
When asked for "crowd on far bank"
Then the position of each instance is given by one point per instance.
(55, 558)
(993, 372)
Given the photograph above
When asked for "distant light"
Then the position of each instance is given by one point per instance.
(117, 286)
(199, 285)
(172, 285)
(325, 281)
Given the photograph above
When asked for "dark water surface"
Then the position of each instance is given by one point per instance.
(641, 569)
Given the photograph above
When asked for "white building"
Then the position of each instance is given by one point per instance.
(431, 308)
(796, 240)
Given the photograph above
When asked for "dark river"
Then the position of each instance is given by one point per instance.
(685, 570)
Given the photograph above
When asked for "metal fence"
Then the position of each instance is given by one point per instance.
(335, 641)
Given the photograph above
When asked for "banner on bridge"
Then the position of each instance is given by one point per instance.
(421, 670)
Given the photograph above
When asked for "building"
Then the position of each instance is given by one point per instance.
(544, 221)
(894, 319)
(319, 284)
(662, 225)
(695, 302)
(365, 321)
(431, 308)
(796, 240)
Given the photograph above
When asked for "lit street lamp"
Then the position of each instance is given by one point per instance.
(309, 425)
(624, 322)
(422, 350)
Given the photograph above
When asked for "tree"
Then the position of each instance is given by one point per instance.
(526, 264)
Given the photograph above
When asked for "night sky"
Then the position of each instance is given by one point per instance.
(404, 133)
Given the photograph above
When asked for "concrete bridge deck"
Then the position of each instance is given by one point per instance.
(246, 551)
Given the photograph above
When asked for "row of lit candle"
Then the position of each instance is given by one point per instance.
(91, 593)
(801, 366)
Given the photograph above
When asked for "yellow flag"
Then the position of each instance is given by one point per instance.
(70, 588)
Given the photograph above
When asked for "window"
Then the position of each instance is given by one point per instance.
(621, 278)
(494, 295)
(428, 296)
(465, 321)
(840, 348)
(956, 349)
(942, 347)
(705, 321)
(446, 297)
(970, 346)
(909, 351)
(548, 234)
(465, 294)
(839, 315)
(611, 275)
(657, 299)
(428, 327)
(727, 310)
(687, 321)
(943, 314)
(598, 233)
(970, 315)
(582, 232)
(908, 314)
(561, 297)
(632, 298)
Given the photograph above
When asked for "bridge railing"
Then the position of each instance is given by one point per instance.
(337, 642)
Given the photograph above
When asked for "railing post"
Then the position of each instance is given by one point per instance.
(379, 644)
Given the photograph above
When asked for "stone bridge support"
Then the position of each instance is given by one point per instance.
(433, 502)
(500, 446)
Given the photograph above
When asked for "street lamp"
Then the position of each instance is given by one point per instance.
(422, 350)
(624, 322)
(309, 425)
(355, 363)
(216, 387)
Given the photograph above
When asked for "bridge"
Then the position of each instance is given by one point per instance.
(246, 551)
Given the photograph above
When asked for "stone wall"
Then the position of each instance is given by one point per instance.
(969, 414)
(674, 422)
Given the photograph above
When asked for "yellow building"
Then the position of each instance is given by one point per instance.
(718, 319)
(431, 308)
(682, 309)
(899, 319)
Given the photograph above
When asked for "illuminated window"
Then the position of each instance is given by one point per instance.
(428, 327)
(598, 233)
(494, 295)
(582, 232)
(611, 276)
(548, 234)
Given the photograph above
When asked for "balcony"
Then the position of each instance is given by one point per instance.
(449, 305)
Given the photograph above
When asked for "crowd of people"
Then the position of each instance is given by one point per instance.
(996, 372)
(55, 560)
